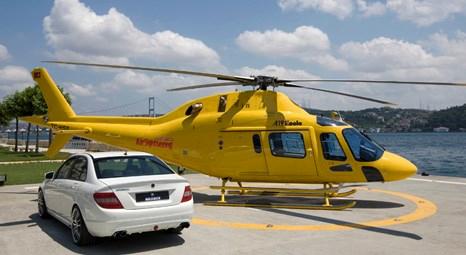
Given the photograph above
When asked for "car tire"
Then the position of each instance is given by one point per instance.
(41, 206)
(79, 232)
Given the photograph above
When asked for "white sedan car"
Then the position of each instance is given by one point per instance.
(115, 194)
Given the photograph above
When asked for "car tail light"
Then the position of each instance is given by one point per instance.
(187, 194)
(107, 200)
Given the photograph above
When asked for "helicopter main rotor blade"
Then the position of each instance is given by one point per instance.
(382, 81)
(163, 70)
(340, 93)
(218, 84)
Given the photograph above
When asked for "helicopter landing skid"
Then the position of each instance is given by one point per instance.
(284, 206)
(326, 193)
(289, 194)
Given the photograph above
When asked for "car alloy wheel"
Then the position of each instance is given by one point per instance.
(41, 207)
(76, 225)
(79, 232)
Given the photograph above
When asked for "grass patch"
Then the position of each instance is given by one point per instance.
(28, 172)
(7, 156)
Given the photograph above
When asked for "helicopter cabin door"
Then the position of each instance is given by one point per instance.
(241, 152)
(289, 155)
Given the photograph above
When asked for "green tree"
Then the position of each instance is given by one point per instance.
(454, 118)
(12, 110)
(26, 109)
(26, 103)
(4, 118)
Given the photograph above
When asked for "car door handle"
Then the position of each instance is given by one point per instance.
(75, 186)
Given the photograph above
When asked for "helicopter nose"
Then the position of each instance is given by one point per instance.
(396, 167)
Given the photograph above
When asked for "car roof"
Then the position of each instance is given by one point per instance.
(110, 154)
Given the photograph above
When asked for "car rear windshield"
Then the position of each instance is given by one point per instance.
(129, 166)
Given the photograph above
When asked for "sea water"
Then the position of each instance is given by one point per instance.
(433, 153)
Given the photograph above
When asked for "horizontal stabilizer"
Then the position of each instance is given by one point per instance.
(40, 120)
(58, 142)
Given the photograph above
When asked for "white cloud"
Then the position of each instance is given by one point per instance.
(426, 12)
(451, 54)
(340, 8)
(420, 12)
(440, 58)
(370, 9)
(277, 71)
(305, 98)
(448, 46)
(13, 78)
(306, 43)
(157, 84)
(74, 31)
(3, 53)
(385, 54)
(153, 83)
(79, 90)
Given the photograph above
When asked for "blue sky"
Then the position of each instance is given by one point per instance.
(393, 39)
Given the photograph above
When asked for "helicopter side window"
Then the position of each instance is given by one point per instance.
(222, 103)
(362, 147)
(256, 140)
(287, 145)
(331, 147)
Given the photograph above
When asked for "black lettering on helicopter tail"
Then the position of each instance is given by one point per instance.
(60, 127)
(282, 123)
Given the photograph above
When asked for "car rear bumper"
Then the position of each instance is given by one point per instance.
(107, 222)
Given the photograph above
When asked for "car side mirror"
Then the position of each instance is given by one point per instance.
(49, 175)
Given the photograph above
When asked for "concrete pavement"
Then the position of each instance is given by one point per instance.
(405, 224)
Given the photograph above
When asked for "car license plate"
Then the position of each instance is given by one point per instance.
(152, 196)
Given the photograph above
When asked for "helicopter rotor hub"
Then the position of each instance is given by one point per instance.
(265, 81)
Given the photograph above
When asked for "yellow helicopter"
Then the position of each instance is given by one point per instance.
(256, 135)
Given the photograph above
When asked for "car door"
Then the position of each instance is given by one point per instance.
(71, 186)
(53, 187)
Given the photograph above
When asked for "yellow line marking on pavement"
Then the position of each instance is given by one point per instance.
(424, 209)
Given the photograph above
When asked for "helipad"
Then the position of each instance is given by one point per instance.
(420, 216)
(423, 209)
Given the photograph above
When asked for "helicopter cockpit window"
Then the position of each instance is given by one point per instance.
(288, 144)
(331, 147)
(222, 103)
(362, 147)
(256, 140)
